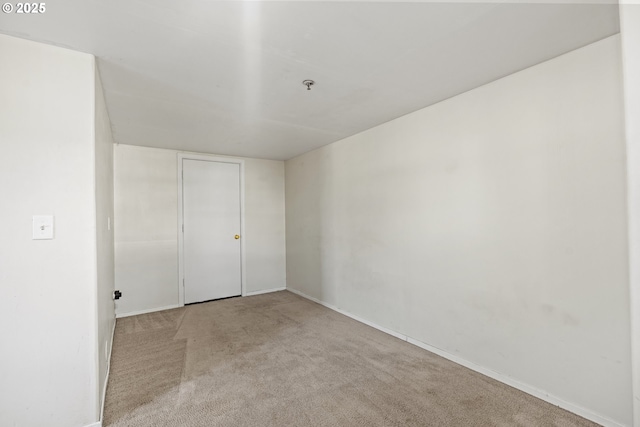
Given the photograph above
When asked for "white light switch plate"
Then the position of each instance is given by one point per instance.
(42, 227)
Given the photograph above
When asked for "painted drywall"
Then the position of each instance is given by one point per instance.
(372, 61)
(104, 236)
(48, 304)
(264, 239)
(146, 218)
(630, 34)
(491, 226)
(146, 229)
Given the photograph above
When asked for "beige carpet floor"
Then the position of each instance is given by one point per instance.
(280, 360)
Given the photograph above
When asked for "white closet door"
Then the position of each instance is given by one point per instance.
(211, 217)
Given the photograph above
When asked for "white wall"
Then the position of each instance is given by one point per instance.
(146, 232)
(104, 233)
(264, 237)
(491, 226)
(47, 309)
(630, 32)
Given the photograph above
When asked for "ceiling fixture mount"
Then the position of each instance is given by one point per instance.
(308, 83)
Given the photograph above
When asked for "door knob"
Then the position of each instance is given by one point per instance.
(237, 236)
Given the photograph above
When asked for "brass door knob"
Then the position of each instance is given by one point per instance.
(237, 236)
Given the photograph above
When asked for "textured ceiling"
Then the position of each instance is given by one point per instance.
(226, 77)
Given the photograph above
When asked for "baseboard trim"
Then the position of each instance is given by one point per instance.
(106, 379)
(266, 291)
(96, 424)
(169, 307)
(149, 310)
(536, 392)
(540, 394)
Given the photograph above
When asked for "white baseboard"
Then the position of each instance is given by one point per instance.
(149, 310)
(266, 291)
(106, 379)
(169, 307)
(540, 394)
(353, 316)
(96, 424)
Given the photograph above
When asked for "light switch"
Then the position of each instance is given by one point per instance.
(42, 227)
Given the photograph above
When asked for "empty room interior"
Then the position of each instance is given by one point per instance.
(320, 213)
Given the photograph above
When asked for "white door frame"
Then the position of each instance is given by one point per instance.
(220, 159)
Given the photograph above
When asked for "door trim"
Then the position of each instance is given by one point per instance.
(219, 159)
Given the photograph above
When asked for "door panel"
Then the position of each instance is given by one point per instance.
(211, 217)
